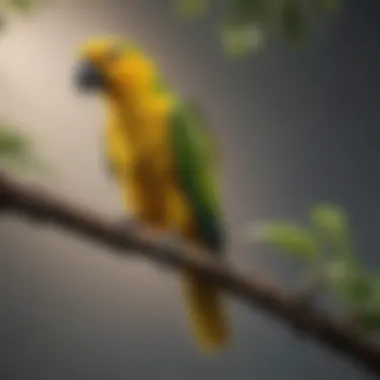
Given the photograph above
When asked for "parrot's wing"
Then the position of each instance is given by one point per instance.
(213, 139)
(195, 165)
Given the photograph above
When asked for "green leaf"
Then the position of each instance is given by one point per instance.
(355, 289)
(245, 28)
(239, 40)
(322, 6)
(368, 321)
(21, 5)
(17, 152)
(367, 317)
(294, 240)
(333, 222)
(292, 21)
(348, 280)
(330, 218)
(376, 290)
(244, 12)
(192, 8)
(3, 22)
(12, 144)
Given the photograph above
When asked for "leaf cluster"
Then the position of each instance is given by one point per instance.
(326, 243)
(16, 149)
(248, 23)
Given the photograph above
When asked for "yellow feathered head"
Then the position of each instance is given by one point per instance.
(111, 65)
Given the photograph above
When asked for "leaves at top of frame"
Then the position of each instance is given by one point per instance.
(23, 6)
(244, 28)
(192, 8)
(249, 23)
(293, 21)
(239, 40)
(322, 6)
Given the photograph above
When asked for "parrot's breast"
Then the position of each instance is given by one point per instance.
(137, 131)
(138, 144)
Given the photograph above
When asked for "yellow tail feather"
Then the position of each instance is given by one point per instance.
(206, 312)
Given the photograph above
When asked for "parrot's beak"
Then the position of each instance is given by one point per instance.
(88, 77)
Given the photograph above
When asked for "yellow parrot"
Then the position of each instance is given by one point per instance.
(161, 154)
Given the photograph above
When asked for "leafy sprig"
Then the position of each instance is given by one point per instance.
(249, 23)
(326, 244)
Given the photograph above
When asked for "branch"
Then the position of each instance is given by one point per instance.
(19, 199)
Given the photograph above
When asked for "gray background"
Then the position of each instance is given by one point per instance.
(297, 127)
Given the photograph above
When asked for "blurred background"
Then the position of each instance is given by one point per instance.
(297, 126)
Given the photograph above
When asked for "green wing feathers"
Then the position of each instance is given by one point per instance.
(194, 157)
(212, 142)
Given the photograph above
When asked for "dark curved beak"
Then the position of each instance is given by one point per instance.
(87, 77)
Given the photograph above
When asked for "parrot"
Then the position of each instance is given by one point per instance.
(164, 160)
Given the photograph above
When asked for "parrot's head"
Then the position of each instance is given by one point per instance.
(111, 65)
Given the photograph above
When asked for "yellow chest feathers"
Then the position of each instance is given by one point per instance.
(137, 129)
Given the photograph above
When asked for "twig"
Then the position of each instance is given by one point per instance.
(33, 202)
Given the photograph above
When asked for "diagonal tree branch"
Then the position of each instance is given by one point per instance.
(20, 199)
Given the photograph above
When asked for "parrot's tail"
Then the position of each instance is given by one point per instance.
(208, 317)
